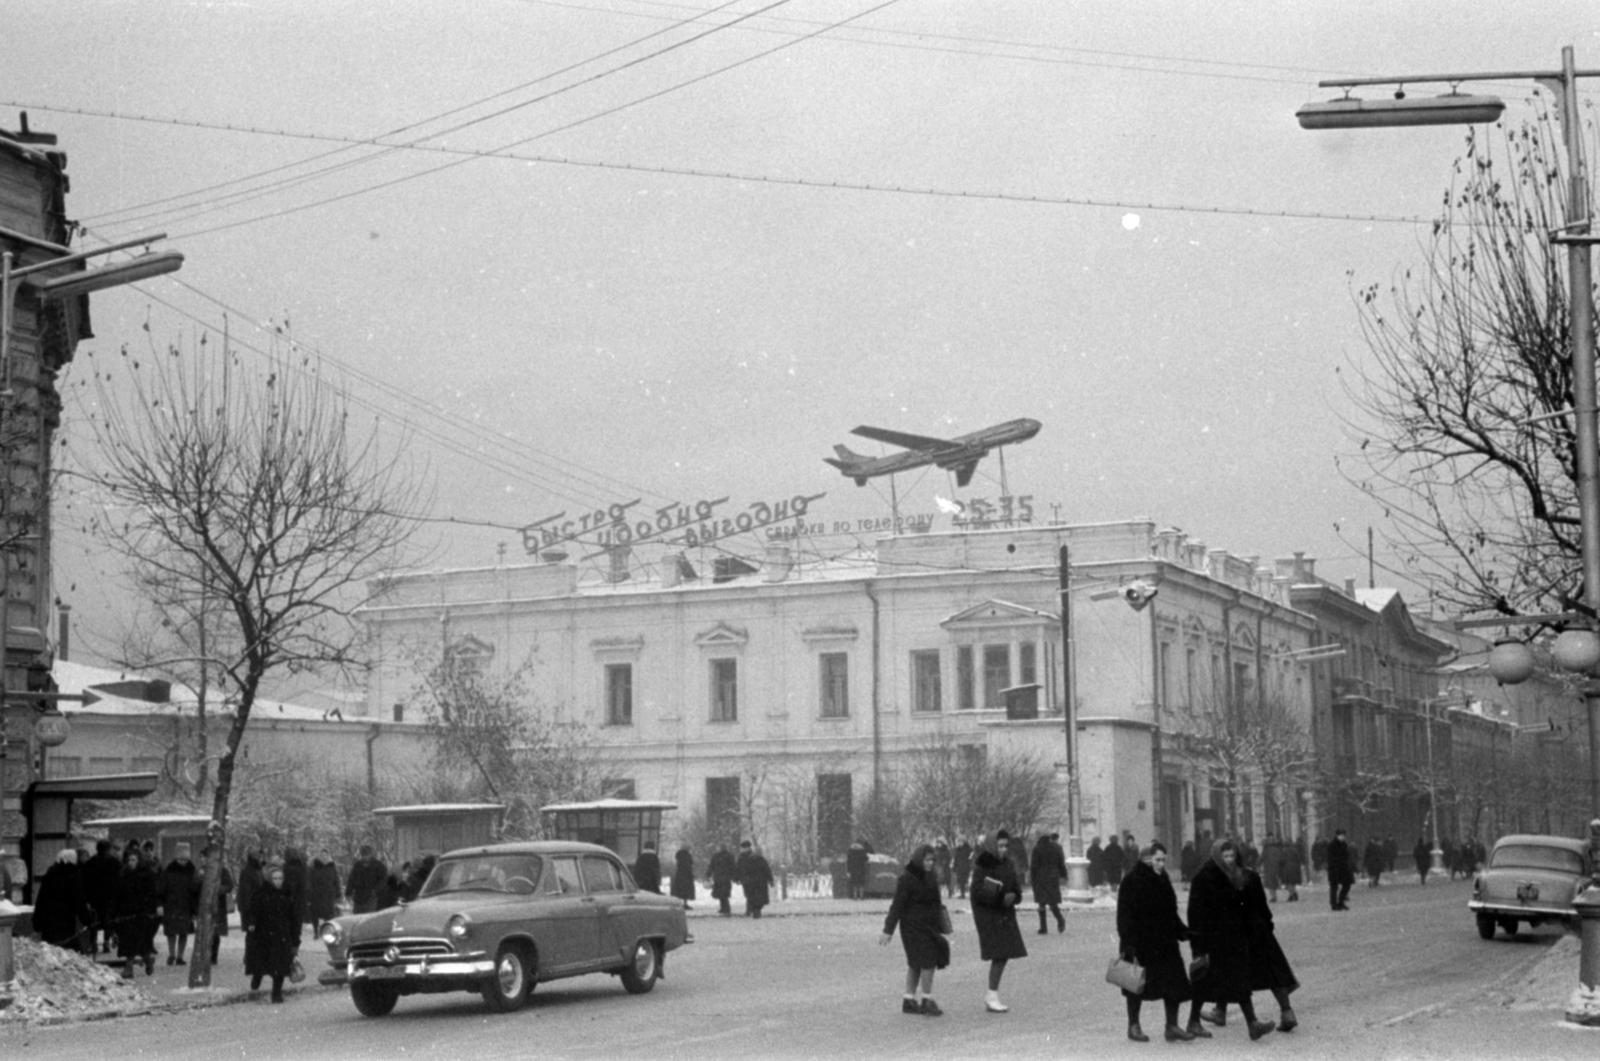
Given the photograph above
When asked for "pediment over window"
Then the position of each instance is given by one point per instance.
(617, 648)
(1244, 637)
(471, 648)
(825, 632)
(993, 613)
(722, 636)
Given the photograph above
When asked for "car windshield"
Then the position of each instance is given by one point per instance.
(1536, 856)
(516, 874)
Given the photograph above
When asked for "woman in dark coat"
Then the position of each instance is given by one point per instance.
(180, 901)
(324, 889)
(916, 909)
(757, 882)
(1097, 863)
(1218, 931)
(274, 933)
(683, 876)
(1289, 863)
(1149, 931)
(1269, 967)
(297, 882)
(1113, 860)
(995, 893)
(1188, 862)
(1046, 870)
(136, 911)
(721, 871)
(60, 908)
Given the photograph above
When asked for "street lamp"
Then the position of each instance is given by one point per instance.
(1575, 234)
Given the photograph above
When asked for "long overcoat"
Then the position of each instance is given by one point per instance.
(322, 900)
(60, 907)
(915, 910)
(1269, 967)
(1341, 862)
(1290, 860)
(1149, 928)
(1217, 928)
(647, 871)
(138, 899)
(274, 932)
(683, 875)
(721, 870)
(1111, 862)
(999, 938)
(757, 883)
(1048, 869)
(179, 886)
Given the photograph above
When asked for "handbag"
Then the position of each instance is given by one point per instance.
(1126, 973)
(946, 926)
(1199, 967)
(297, 972)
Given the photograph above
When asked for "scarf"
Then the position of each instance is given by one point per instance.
(1234, 874)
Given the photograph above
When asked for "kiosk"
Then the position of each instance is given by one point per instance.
(434, 828)
(623, 825)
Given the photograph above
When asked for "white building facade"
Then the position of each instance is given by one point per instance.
(785, 693)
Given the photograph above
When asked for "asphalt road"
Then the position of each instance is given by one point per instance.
(1403, 974)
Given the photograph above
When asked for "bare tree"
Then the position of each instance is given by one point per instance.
(950, 791)
(495, 740)
(1463, 427)
(251, 489)
(1258, 742)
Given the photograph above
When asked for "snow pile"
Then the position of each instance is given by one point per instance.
(56, 983)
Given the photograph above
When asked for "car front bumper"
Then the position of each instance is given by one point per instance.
(453, 969)
(1490, 908)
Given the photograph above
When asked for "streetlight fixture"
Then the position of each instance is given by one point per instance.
(1576, 236)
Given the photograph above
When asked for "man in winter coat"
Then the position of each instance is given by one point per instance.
(1319, 857)
(1111, 861)
(322, 901)
(721, 871)
(1096, 856)
(100, 892)
(366, 877)
(1341, 871)
(1372, 861)
(647, 869)
(1047, 869)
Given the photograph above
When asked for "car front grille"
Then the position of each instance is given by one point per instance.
(398, 951)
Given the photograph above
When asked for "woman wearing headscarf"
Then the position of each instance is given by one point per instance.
(683, 876)
(1269, 967)
(179, 888)
(324, 889)
(138, 902)
(60, 908)
(274, 932)
(995, 893)
(916, 909)
(1149, 931)
(1218, 932)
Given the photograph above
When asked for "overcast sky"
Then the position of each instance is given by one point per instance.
(710, 258)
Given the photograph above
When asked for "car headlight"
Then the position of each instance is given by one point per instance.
(330, 933)
(459, 926)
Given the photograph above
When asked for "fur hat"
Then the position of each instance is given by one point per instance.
(1001, 835)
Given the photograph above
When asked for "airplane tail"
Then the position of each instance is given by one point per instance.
(847, 462)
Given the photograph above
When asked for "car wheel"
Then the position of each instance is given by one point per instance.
(374, 1000)
(508, 987)
(1485, 926)
(1509, 926)
(639, 975)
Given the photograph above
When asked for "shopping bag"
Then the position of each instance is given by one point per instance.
(297, 972)
(1126, 973)
(1199, 967)
(946, 927)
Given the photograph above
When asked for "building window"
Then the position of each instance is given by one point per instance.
(834, 802)
(619, 694)
(724, 690)
(834, 670)
(722, 809)
(1166, 676)
(1027, 663)
(58, 766)
(925, 691)
(1188, 678)
(996, 674)
(964, 679)
(106, 765)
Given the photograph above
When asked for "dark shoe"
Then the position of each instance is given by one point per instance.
(909, 1005)
(1137, 1034)
(171, 959)
(1287, 1021)
(150, 965)
(1197, 1030)
(255, 983)
(1176, 1034)
(1043, 932)
(930, 1008)
(277, 998)
(1258, 1028)
(1213, 1015)
(1061, 925)
(179, 961)
(127, 971)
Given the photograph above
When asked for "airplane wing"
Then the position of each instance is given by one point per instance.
(900, 438)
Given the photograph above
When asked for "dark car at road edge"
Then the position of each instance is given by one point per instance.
(1530, 878)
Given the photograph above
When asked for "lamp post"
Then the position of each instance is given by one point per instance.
(1576, 236)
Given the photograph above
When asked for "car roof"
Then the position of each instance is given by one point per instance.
(1541, 840)
(531, 847)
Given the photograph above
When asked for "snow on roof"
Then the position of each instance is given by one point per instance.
(1376, 599)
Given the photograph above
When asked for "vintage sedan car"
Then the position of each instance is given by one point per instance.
(499, 919)
(1530, 878)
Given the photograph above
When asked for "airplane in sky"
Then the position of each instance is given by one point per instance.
(961, 453)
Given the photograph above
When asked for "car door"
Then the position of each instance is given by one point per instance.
(571, 916)
(616, 900)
